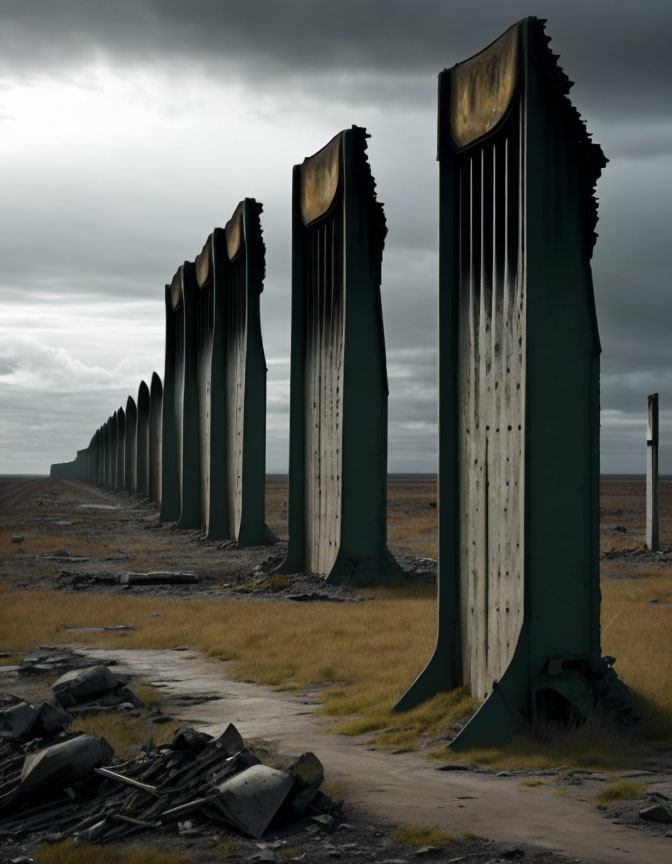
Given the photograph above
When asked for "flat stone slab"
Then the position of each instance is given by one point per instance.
(158, 578)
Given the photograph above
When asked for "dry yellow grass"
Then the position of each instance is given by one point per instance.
(43, 544)
(367, 654)
(68, 853)
(639, 634)
(620, 790)
(125, 733)
(421, 835)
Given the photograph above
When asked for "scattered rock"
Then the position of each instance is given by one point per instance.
(79, 684)
(91, 690)
(656, 813)
(324, 821)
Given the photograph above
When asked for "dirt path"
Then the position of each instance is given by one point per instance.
(403, 788)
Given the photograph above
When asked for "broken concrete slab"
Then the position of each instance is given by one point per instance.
(252, 798)
(308, 774)
(61, 764)
(81, 684)
(91, 690)
(306, 768)
(158, 578)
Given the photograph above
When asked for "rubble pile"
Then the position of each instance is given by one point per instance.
(55, 785)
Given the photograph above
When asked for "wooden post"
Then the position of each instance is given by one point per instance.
(652, 541)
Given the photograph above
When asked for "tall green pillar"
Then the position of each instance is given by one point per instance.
(338, 395)
(231, 371)
(518, 391)
(142, 441)
(155, 438)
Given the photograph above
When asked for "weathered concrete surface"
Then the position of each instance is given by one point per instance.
(403, 788)
(231, 378)
(518, 389)
(338, 388)
(130, 446)
(142, 441)
(652, 522)
(155, 438)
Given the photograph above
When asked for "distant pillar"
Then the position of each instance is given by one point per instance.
(130, 476)
(100, 458)
(231, 370)
(338, 395)
(518, 391)
(652, 540)
(112, 450)
(155, 438)
(120, 456)
(142, 441)
(181, 458)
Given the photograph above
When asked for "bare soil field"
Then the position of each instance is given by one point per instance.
(64, 544)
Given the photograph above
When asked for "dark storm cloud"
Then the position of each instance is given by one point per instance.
(110, 226)
(618, 51)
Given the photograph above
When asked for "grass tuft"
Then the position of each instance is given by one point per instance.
(127, 732)
(421, 835)
(620, 790)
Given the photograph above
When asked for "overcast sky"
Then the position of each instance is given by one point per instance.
(128, 130)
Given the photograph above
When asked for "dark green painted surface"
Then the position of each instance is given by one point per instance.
(349, 234)
(560, 444)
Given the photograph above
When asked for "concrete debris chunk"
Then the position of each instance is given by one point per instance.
(656, 813)
(61, 764)
(307, 768)
(324, 821)
(230, 741)
(190, 739)
(51, 719)
(251, 799)
(17, 721)
(158, 579)
(79, 684)
(92, 690)
(308, 774)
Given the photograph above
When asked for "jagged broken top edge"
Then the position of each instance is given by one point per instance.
(592, 155)
(377, 221)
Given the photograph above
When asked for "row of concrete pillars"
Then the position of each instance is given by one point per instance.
(518, 612)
